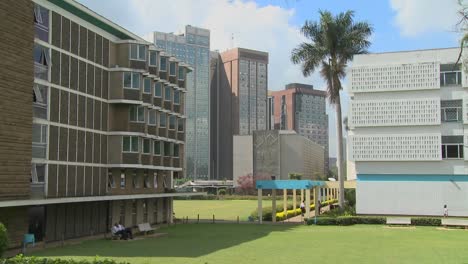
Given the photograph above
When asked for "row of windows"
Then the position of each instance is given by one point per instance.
(131, 80)
(133, 144)
(137, 114)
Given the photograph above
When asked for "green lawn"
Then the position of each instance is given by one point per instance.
(225, 210)
(251, 243)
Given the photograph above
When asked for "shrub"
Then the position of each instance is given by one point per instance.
(347, 220)
(3, 239)
(426, 221)
(350, 197)
(222, 192)
(322, 221)
(20, 259)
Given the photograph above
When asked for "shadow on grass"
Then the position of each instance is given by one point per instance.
(189, 240)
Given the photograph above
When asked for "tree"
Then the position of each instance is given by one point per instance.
(463, 27)
(334, 40)
(246, 183)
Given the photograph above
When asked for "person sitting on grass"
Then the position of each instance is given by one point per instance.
(117, 232)
(126, 231)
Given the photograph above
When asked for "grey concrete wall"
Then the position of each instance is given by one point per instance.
(412, 197)
(242, 156)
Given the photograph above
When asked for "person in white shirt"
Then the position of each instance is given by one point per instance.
(116, 231)
(302, 206)
(127, 232)
(445, 211)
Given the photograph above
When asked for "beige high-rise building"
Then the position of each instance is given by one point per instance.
(239, 85)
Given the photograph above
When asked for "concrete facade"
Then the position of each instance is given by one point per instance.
(301, 108)
(276, 153)
(408, 120)
(103, 130)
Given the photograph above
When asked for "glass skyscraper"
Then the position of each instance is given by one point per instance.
(193, 48)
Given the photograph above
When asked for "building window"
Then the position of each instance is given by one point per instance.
(41, 62)
(146, 182)
(180, 125)
(152, 117)
(137, 113)
(39, 141)
(136, 180)
(162, 119)
(138, 52)
(172, 122)
(181, 76)
(40, 101)
(451, 111)
(163, 64)
(176, 150)
(146, 146)
(172, 69)
(450, 75)
(131, 80)
(167, 93)
(38, 173)
(155, 180)
(153, 58)
(110, 180)
(158, 89)
(167, 149)
(176, 97)
(147, 85)
(122, 180)
(157, 148)
(130, 144)
(452, 147)
(41, 23)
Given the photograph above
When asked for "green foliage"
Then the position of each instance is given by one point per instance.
(350, 197)
(222, 192)
(426, 221)
(347, 220)
(20, 259)
(295, 176)
(335, 212)
(3, 239)
(280, 215)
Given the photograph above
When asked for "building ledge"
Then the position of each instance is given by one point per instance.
(15, 203)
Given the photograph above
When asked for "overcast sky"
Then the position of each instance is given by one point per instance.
(273, 26)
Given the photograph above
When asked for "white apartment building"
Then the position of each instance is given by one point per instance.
(408, 130)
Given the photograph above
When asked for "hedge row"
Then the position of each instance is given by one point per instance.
(352, 220)
(280, 216)
(33, 260)
(3, 239)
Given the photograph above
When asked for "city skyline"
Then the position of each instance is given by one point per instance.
(400, 25)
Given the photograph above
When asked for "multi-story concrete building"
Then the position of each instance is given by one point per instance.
(276, 153)
(102, 136)
(239, 89)
(301, 108)
(408, 120)
(193, 48)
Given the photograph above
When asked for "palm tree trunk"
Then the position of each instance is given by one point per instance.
(339, 128)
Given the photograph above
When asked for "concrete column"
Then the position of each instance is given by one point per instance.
(273, 206)
(171, 210)
(260, 213)
(294, 199)
(285, 200)
(316, 196)
(302, 195)
(307, 203)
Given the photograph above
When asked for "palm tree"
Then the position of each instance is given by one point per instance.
(334, 40)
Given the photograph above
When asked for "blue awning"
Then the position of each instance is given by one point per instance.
(287, 184)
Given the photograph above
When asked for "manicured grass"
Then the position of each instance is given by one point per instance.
(252, 243)
(222, 209)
